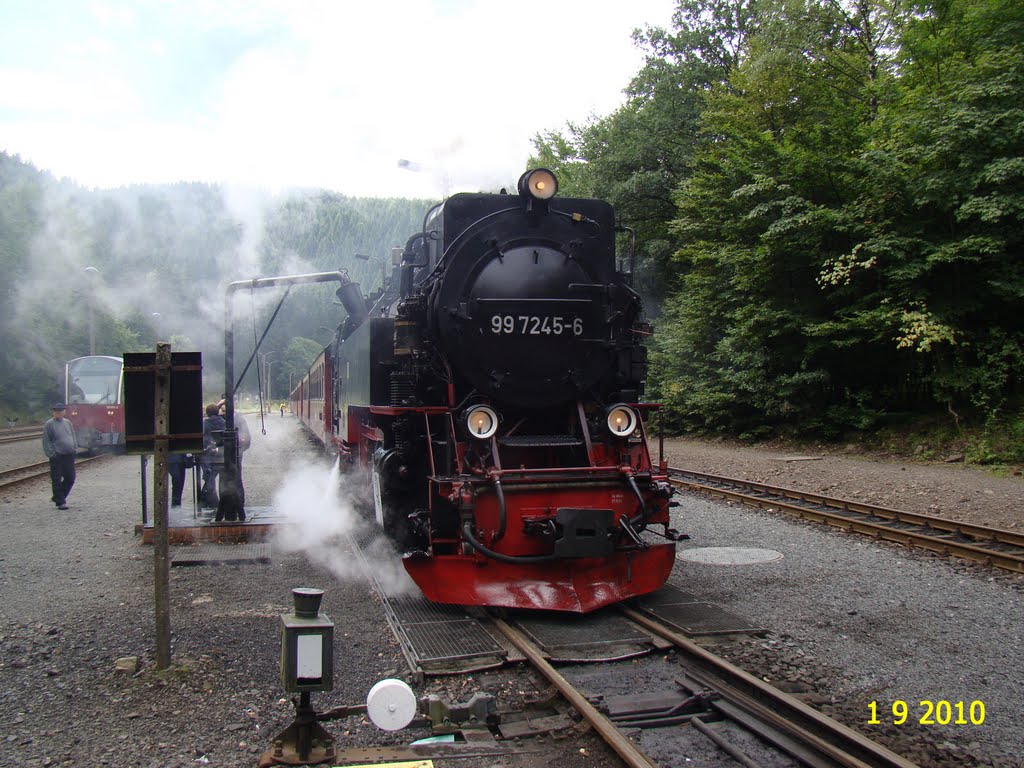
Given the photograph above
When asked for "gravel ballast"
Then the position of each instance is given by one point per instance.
(76, 596)
(852, 619)
(860, 621)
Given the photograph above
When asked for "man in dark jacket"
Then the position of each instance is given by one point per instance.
(212, 459)
(177, 464)
(242, 445)
(60, 447)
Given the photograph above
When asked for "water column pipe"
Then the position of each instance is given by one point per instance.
(92, 272)
(231, 507)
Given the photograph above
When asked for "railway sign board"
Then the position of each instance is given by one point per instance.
(185, 426)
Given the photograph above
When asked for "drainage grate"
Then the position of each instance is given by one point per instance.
(700, 618)
(601, 636)
(211, 554)
(667, 595)
(439, 633)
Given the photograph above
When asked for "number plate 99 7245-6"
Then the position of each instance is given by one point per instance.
(537, 325)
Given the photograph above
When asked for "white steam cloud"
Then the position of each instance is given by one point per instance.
(322, 521)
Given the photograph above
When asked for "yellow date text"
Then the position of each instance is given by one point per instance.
(928, 712)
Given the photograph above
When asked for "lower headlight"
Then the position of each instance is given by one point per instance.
(622, 420)
(482, 422)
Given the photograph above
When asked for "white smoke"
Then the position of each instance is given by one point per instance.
(323, 522)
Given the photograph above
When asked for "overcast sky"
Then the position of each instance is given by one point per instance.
(290, 93)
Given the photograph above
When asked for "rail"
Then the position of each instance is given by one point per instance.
(993, 546)
(16, 436)
(778, 719)
(22, 474)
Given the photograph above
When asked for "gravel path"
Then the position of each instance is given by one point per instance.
(76, 595)
(856, 620)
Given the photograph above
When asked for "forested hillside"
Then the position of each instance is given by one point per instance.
(153, 263)
(829, 197)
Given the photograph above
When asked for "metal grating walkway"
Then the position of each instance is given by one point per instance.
(436, 639)
(600, 636)
(443, 633)
(211, 554)
(692, 616)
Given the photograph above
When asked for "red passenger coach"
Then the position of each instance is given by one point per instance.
(492, 392)
(311, 401)
(93, 388)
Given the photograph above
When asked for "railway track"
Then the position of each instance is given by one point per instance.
(19, 435)
(713, 692)
(991, 546)
(714, 705)
(16, 475)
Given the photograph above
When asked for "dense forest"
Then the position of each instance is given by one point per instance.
(829, 198)
(115, 271)
(827, 194)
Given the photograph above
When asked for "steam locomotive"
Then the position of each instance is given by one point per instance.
(492, 391)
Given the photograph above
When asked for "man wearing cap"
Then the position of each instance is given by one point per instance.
(60, 447)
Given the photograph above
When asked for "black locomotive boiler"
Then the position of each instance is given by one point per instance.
(494, 394)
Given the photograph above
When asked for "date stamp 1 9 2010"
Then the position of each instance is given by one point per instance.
(930, 712)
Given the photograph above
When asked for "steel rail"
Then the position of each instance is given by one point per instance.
(20, 436)
(993, 546)
(622, 746)
(810, 736)
(831, 740)
(36, 470)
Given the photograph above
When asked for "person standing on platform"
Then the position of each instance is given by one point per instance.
(177, 463)
(212, 460)
(244, 441)
(60, 447)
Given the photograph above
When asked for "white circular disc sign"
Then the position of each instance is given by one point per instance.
(391, 705)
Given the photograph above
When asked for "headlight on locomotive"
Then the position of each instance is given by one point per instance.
(622, 420)
(482, 422)
(540, 184)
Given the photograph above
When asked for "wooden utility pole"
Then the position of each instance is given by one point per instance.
(161, 560)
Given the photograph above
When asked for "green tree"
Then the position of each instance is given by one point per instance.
(637, 156)
(765, 206)
(933, 277)
(953, 150)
